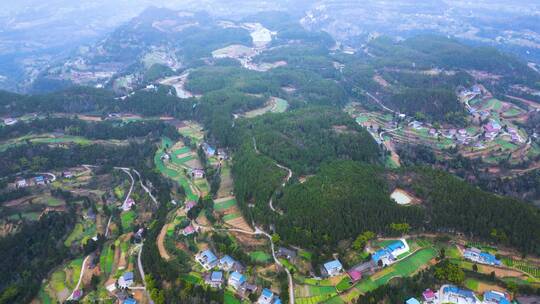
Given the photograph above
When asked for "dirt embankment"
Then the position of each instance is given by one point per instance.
(161, 243)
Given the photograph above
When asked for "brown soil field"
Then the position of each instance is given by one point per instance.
(226, 186)
(161, 243)
(501, 272)
(247, 240)
(483, 287)
(180, 156)
(194, 163)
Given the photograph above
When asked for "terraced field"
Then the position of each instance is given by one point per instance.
(524, 266)
(81, 233)
(106, 259)
(61, 282)
(175, 171)
(192, 130)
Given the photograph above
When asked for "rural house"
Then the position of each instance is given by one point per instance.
(207, 259)
(215, 279)
(332, 268)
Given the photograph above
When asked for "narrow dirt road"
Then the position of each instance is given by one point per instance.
(77, 287)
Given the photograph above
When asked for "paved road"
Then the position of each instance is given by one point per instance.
(53, 177)
(259, 231)
(80, 278)
(381, 104)
(145, 188)
(126, 170)
(286, 180)
(139, 261)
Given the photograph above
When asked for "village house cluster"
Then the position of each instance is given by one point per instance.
(450, 294)
(226, 270)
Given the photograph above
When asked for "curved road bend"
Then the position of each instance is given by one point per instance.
(139, 260)
(83, 267)
(259, 231)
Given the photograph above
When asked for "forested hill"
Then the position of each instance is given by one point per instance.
(305, 138)
(302, 140)
(458, 206)
(346, 198)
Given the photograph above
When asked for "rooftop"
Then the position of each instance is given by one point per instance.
(227, 260)
(209, 255)
(412, 301)
(128, 276)
(267, 293)
(216, 276)
(335, 264)
(237, 276)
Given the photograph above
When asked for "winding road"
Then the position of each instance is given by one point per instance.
(286, 180)
(139, 260)
(145, 188)
(83, 267)
(125, 170)
(259, 231)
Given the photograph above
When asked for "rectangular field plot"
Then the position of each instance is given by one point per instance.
(224, 205)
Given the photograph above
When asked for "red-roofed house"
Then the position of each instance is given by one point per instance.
(126, 206)
(492, 127)
(355, 275)
(429, 295)
(189, 230)
(190, 204)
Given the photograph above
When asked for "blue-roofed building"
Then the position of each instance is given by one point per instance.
(388, 255)
(236, 280)
(267, 297)
(489, 258)
(453, 294)
(226, 263)
(207, 259)
(332, 268)
(40, 180)
(496, 297)
(126, 280)
(130, 301)
(215, 279)
(481, 257)
(412, 301)
(208, 150)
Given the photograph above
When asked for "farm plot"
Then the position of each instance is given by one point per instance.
(229, 298)
(193, 131)
(127, 219)
(274, 105)
(62, 281)
(231, 213)
(260, 256)
(175, 172)
(226, 185)
(523, 266)
(81, 233)
(106, 260)
(224, 203)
